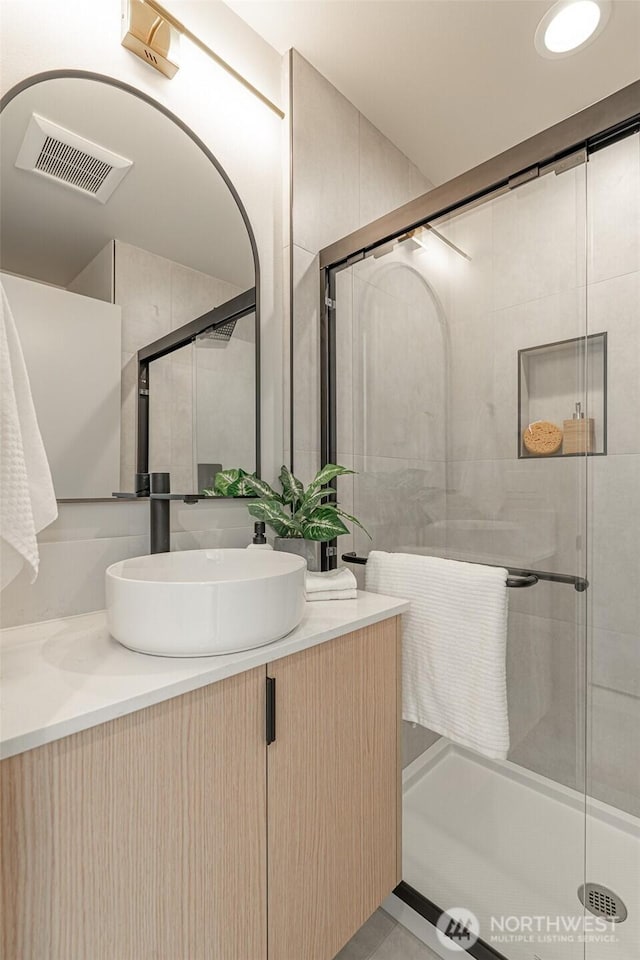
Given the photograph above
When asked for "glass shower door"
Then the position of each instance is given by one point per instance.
(613, 663)
(451, 344)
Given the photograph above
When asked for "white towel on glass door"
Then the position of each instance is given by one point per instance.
(454, 645)
(27, 499)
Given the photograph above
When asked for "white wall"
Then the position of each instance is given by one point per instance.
(246, 137)
(96, 279)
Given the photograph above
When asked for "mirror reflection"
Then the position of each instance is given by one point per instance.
(117, 230)
(201, 399)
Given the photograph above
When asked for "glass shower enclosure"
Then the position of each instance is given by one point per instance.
(481, 374)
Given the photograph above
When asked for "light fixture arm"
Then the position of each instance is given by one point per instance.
(185, 32)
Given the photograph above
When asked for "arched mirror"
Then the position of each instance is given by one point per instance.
(131, 272)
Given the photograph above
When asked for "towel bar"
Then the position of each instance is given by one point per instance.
(529, 580)
(517, 578)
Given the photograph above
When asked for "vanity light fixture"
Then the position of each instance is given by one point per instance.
(150, 36)
(570, 25)
(152, 33)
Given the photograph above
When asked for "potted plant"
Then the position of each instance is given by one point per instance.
(302, 518)
(232, 482)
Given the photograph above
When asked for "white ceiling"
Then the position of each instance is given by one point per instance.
(450, 82)
(173, 202)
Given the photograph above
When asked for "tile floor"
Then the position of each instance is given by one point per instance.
(381, 938)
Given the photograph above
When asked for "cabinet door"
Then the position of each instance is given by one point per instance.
(143, 838)
(333, 788)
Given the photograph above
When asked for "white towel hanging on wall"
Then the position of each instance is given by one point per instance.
(454, 645)
(27, 498)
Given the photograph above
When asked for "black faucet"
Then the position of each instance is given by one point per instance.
(159, 514)
(160, 498)
(157, 487)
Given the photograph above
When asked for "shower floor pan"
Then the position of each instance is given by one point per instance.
(505, 843)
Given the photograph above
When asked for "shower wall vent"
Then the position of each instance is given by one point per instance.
(73, 161)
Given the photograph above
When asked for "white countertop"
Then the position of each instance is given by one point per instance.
(63, 676)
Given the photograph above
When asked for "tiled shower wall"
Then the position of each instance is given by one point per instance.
(345, 174)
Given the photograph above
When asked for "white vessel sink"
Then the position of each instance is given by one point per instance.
(195, 603)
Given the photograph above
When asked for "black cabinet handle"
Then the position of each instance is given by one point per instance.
(271, 710)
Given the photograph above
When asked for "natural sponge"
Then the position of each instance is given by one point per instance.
(542, 438)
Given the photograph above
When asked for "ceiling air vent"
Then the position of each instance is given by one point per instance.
(61, 155)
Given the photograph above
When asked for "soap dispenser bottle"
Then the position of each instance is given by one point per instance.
(579, 433)
(259, 538)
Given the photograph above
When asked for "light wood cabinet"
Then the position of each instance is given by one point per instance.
(333, 792)
(146, 838)
(143, 838)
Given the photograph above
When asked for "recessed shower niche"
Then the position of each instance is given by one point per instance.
(553, 381)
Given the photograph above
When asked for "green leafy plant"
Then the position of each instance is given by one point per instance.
(232, 483)
(301, 512)
(297, 512)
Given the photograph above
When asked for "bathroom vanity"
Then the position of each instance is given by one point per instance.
(145, 814)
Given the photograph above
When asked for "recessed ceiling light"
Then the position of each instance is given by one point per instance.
(570, 25)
